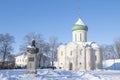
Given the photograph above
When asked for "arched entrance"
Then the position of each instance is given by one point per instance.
(70, 66)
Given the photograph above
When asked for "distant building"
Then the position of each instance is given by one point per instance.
(21, 60)
(43, 60)
(79, 54)
(9, 62)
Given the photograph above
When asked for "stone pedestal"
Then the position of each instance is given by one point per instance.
(31, 64)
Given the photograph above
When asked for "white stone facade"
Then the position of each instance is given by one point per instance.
(79, 54)
(21, 60)
(79, 35)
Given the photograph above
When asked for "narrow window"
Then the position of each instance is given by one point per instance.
(70, 66)
(61, 53)
(95, 58)
(80, 63)
(60, 67)
(80, 37)
(71, 53)
(75, 37)
(80, 52)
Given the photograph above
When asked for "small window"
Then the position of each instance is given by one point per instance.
(80, 37)
(80, 52)
(80, 63)
(61, 53)
(60, 67)
(95, 58)
(71, 53)
(75, 37)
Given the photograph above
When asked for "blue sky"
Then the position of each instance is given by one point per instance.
(56, 18)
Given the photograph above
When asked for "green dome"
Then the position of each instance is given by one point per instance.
(79, 25)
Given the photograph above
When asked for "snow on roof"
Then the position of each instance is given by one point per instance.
(83, 44)
(79, 22)
(111, 64)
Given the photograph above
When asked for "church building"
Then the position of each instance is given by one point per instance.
(79, 54)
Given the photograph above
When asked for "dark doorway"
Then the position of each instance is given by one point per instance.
(70, 66)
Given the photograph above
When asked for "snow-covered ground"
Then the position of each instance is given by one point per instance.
(60, 75)
(112, 64)
(48, 74)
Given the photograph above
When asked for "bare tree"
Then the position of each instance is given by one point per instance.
(117, 46)
(40, 43)
(6, 41)
(53, 43)
(108, 52)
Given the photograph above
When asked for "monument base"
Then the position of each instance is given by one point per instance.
(31, 64)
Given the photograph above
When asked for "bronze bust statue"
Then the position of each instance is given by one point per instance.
(33, 43)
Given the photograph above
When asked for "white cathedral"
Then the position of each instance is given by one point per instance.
(79, 54)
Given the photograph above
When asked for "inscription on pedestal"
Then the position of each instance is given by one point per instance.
(31, 59)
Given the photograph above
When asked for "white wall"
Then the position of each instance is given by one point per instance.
(61, 57)
(79, 35)
(21, 60)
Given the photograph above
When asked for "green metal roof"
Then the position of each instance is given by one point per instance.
(79, 27)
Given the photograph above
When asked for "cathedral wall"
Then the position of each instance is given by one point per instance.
(70, 57)
(81, 59)
(90, 59)
(61, 57)
(79, 35)
(98, 54)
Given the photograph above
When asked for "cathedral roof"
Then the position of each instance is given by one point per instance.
(80, 22)
(79, 25)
